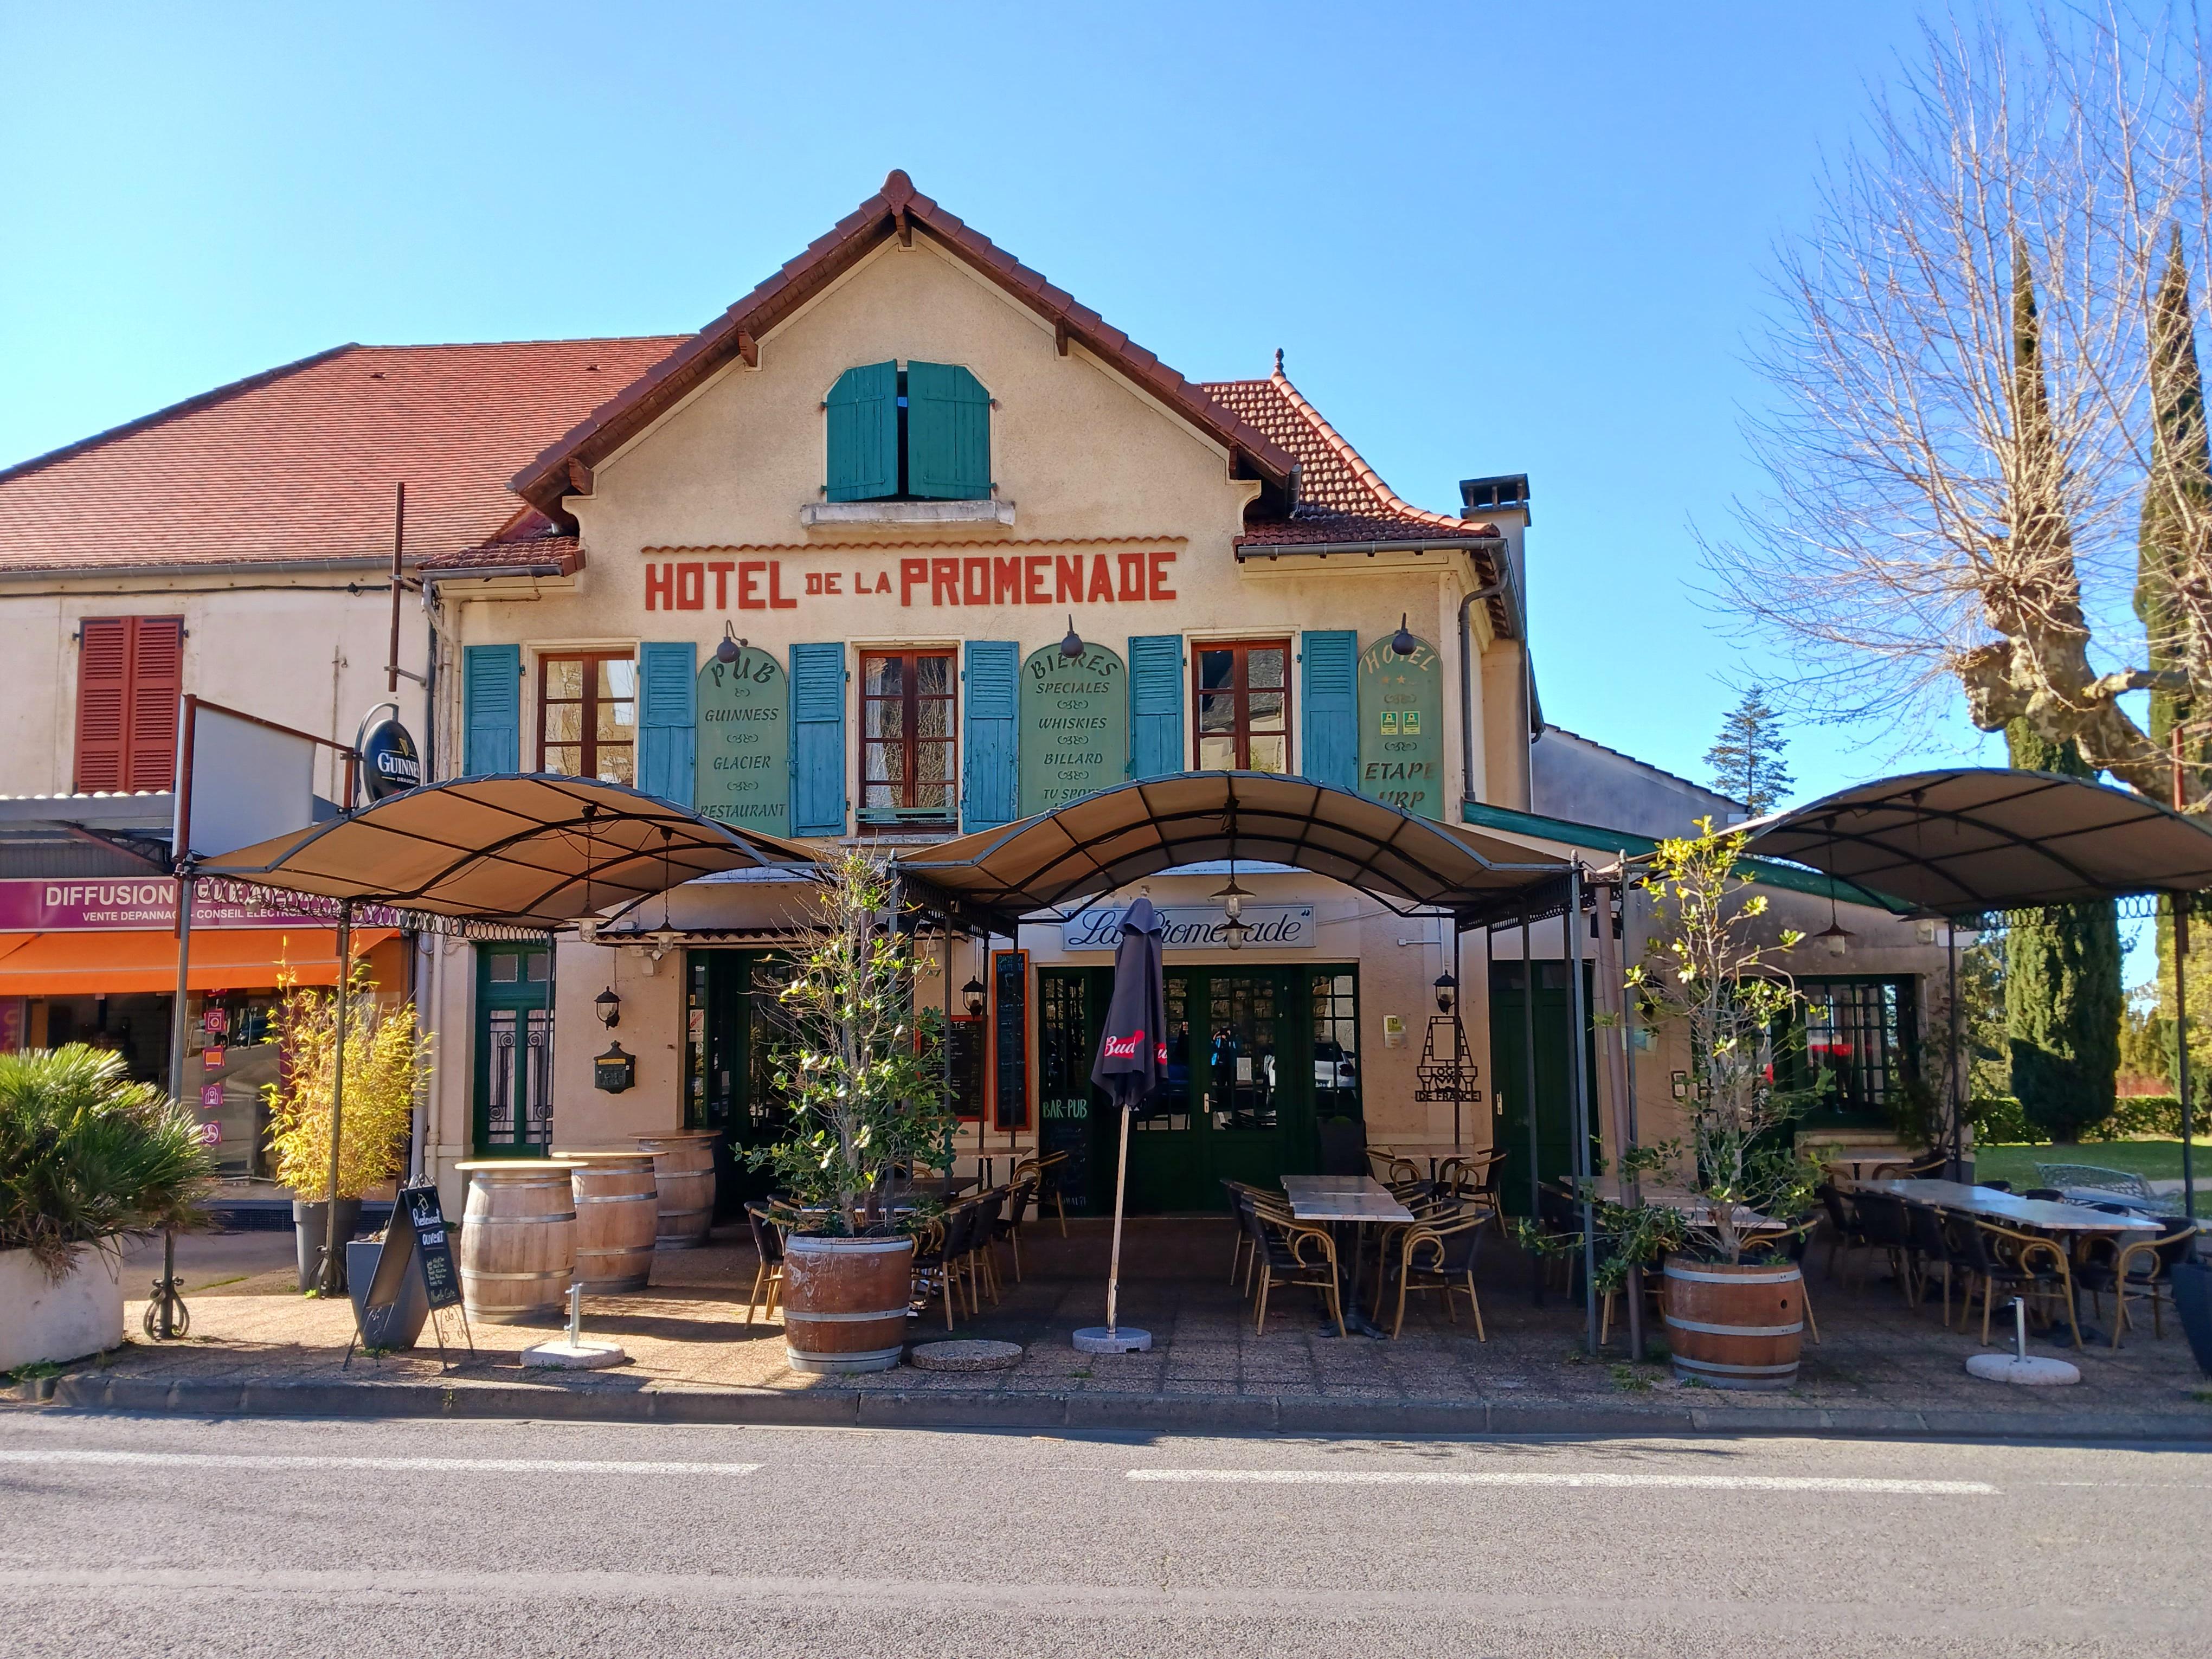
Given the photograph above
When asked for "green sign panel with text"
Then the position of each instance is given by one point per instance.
(744, 767)
(1074, 726)
(1401, 728)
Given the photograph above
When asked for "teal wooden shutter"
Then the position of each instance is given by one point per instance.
(1155, 705)
(948, 434)
(863, 434)
(491, 710)
(818, 739)
(667, 720)
(1329, 690)
(991, 773)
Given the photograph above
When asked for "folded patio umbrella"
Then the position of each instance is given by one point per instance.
(1131, 1066)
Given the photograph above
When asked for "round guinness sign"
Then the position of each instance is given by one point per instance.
(389, 760)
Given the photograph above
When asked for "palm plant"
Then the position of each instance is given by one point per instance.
(87, 1156)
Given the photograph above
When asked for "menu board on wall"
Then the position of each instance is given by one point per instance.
(1401, 728)
(1075, 726)
(1010, 1033)
(743, 771)
(967, 1046)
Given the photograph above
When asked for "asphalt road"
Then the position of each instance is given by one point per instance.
(128, 1536)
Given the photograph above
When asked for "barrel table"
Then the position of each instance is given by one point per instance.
(617, 1216)
(683, 1170)
(518, 1238)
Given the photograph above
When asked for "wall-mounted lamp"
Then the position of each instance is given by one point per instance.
(1071, 644)
(1403, 642)
(609, 1006)
(1447, 990)
(972, 995)
(1924, 929)
(726, 652)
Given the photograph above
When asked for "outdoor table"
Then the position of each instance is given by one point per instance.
(1862, 1158)
(1352, 1201)
(2043, 1214)
(1691, 1208)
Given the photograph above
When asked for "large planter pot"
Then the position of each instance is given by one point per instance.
(618, 1218)
(2193, 1301)
(1734, 1327)
(518, 1239)
(41, 1321)
(683, 1172)
(310, 1227)
(845, 1301)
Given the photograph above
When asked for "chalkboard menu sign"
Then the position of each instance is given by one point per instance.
(1064, 1125)
(434, 1244)
(967, 1052)
(1009, 1035)
(398, 1284)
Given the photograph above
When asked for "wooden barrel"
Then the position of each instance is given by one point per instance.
(617, 1215)
(1734, 1327)
(683, 1170)
(844, 1302)
(518, 1239)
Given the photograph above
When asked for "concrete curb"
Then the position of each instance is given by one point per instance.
(1205, 1414)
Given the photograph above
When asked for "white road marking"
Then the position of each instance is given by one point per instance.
(1562, 1477)
(426, 1465)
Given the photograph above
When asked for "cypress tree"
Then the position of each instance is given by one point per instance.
(2063, 998)
(1747, 758)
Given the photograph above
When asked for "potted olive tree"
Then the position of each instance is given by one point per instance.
(388, 1062)
(87, 1159)
(862, 1092)
(1733, 1307)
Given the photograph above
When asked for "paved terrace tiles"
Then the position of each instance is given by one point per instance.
(1878, 1364)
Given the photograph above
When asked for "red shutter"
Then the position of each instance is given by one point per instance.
(157, 681)
(130, 676)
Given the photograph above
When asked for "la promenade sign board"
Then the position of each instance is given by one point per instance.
(150, 902)
(1197, 927)
(708, 582)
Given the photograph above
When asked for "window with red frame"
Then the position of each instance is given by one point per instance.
(588, 715)
(908, 764)
(1243, 706)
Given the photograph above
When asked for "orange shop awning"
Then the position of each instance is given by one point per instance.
(83, 964)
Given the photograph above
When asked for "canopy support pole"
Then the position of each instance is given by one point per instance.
(1954, 1162)
(1580, 1074)
(945, 1050)
(333, 1275)
(2181, 902)
(1529, 1102)
(169, 1303)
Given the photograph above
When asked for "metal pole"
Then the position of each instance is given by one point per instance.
(167, 1290)
(333, 1263)
(1954, 1163)
(1576, 1026)
(945, 1058)
(2180, 902)
(553, 1018)
(1529, 1099)
(398, 541)
(1458, 1012)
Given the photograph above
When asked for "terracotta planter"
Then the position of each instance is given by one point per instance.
(1734, 1327)
(845, 1301)
(41, 1321)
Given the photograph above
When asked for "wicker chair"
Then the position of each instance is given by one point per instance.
(1007, 1226)
(2024, 1264)
(1440, 1256)
(1288, 1251)
(1791, 1246)
(2143, 1267)
(767, 1277)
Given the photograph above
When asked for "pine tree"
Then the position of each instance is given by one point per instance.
(1747, 758)
(2062, 996)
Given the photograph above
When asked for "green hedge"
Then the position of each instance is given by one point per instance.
(1999, 1120)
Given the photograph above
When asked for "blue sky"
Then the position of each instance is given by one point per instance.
(1488, 238)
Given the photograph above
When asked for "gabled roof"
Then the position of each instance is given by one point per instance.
(296, 466)
(897, 210)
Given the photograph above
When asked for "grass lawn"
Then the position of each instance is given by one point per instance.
(2159, 1160)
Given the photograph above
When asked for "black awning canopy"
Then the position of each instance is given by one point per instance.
(527, 849)
(1106, 841)
(1982, 838)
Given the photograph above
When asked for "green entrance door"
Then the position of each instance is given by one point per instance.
(728, 1079)
(1552, 1093)
(512, 1102)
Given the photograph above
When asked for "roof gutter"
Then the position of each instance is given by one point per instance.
(381, 565)
(482, 573)
(1453, 544)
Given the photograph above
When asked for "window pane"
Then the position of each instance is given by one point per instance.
(568, 758)
(564, 678)
(1265, 710)
(564, 722)
(1216, 754)
(878, 795)
(932, 676)
(936, 795)
(1216, 668)
(882, 720)
(617, 677)
(616, 720)
(1217, 714)
(881, 677)
(887, 761)
(1270, 754)
(504, 967)
(535, 969)
(616, 763)
(934, 719)
(931, 760)
(1263, 667)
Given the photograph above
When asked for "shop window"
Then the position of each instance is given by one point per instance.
(920, 433)
(1860, 1032)
(1243, 699)
(130, 676)
(907, 724)
(588, 715)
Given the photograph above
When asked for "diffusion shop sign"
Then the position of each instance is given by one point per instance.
(1196, 927)
(69, 907)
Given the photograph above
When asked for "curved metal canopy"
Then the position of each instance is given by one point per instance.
(529, 850)
(1106, 841)
(1984, 838)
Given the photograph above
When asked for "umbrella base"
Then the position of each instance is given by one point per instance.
(1125, 1338)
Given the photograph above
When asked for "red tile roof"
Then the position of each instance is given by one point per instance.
(896, 210)
(298, 464)
(563, 554)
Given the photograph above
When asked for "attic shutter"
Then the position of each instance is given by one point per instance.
(491, 710)
(863, 434)
(103, 693)
(1155, 705)
(1329, 689)
(991, 784)
(948, 434)
(818, 739)
(667, 712)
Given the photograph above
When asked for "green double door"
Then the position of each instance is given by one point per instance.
(1519, 1031)
(512, 1092)
(1256, 1056)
